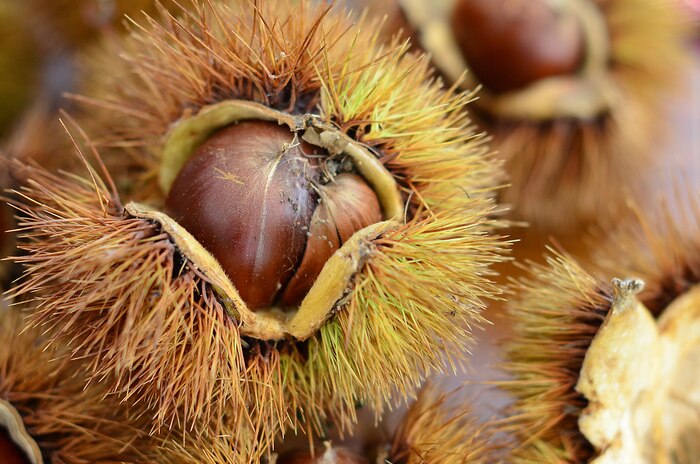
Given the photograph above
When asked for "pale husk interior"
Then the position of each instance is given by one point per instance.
(640, 377)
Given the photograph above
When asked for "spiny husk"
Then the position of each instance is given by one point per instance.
(6, 245)
(568, 171)
(133, 306)
(666, 238)
(439, 428)
(235, 446)
(640, 381)
(558, 312)
(118, 291)
(70, 423)
(296, 58)
(6, 238)
(436, 430)
(37, 138)
(132, 283)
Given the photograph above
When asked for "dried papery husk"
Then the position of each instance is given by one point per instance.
(662, 417)
(575, 145)
(622, 403)
(639, 379)
(150, 316)
(556, 310)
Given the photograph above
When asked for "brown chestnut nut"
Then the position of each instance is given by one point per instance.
(10, 453)
(330, 456)
(510, 44)
(270, 208)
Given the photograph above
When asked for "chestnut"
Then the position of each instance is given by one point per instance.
(270, 207)
(10, 452)
(510, 44)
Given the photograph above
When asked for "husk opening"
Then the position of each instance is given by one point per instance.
(334, 280)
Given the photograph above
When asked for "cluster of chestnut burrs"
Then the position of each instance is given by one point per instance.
(258, 223)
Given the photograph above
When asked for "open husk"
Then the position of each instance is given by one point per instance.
(574, 144)
(11, 421)
(602, 373)
(151, 313)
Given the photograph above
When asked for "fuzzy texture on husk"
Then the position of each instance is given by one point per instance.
(70, 423)
(666, 240)
(567, 172)
(558, 311)
(110, 255)
(441, 428)
(139, 312)
(323, 66)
